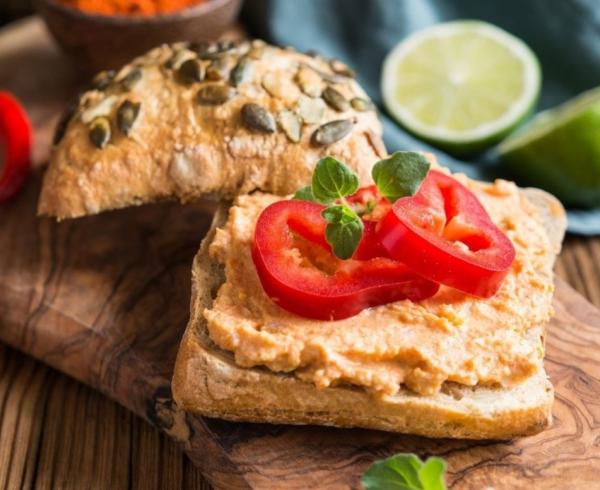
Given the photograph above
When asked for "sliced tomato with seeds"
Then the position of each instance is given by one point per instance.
(336, 290)
(445, 234)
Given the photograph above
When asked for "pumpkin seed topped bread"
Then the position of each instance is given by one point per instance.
(186, 121)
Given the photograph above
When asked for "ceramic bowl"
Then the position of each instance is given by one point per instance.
(97, 42)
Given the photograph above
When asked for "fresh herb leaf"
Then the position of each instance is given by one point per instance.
(344, 230)
(431, 474)
(405, 472)
(304, 194)
(332, 180)
(397, 176)
(400, 175)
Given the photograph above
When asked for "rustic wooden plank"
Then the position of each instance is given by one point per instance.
(569, 268)
(193, 477)
(42, 445)
(23, 387)
(158, 462)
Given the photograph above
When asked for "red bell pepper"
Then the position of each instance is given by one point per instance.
(444, 233)
(342, 290)
(15, 143)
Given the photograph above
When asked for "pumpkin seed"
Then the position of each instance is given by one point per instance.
(311, 110)
(241, 71)
(311, 90)
(309, 81)
(103, 79)
(341, 68)
(204, 50)
(189, 72)
(280, 85)
(362, 105)
(127, 114)
(177, 58)
(335, 99)
(131, 79)
(219, 68)
(214, 94)
(257, 118)
(291, 125)
(100, 132)
(226, 45)
(172, 61)
(211, 51)
(102, 108)
(331, 132)
(328, 77)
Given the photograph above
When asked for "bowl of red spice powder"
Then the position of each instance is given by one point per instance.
(101, 34)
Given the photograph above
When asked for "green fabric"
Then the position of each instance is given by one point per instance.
(564, 34)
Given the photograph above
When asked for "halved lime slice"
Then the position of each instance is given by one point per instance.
(560, 151)
(460, 85)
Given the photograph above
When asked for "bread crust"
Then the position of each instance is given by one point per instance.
(182, 148)
(208, 382)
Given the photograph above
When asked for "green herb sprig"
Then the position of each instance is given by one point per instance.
(405, 472)
(399, 175)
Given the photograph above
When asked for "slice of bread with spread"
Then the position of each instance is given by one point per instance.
(240, 360)
(187, 121)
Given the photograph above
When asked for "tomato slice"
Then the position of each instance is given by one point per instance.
(444, 233)
(339, 289)
(15, 138)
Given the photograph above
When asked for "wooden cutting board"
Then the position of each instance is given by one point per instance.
(105, 299)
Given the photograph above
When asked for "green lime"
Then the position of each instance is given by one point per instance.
(461, 85)
(560, 151)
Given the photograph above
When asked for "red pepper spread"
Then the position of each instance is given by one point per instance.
(131, 7)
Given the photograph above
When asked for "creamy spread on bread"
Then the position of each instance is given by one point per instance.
(451, 336)
(189, 138)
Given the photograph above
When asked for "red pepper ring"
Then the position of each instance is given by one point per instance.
(15, 139)
(302, 288)
(465, 250)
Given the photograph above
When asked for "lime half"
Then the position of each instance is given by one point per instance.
(460, 85)
(560, 151)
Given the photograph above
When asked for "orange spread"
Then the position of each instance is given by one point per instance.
(130, 7)
(449, 337)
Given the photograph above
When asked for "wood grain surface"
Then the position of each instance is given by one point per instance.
(105, 299)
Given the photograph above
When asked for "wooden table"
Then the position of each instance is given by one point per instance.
(58, 433)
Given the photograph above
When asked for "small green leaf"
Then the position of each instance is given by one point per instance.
(304, 194)
(405, 472)
(333, 180)
(431, 474)
(400, 175)
(344, 230)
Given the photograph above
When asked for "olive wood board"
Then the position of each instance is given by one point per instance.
(105, 299)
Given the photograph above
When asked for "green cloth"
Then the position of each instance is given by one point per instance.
(564, 34)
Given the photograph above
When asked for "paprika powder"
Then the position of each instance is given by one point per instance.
(130, 7)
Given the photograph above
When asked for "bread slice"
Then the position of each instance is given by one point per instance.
(208, 382)
(192, 138)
